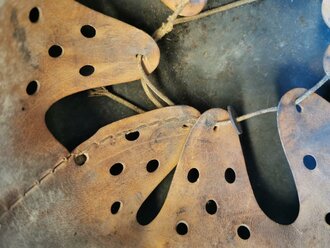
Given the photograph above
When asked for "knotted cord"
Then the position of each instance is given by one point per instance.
(168, 26)
(147, 86)
(213, 11)
(173, 19)
(151, 91)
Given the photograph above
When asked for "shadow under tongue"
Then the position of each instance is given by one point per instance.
(151, 207)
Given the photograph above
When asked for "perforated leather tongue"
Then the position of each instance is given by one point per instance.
(49, 50)
(91, 200)
(210, 201)
(192, 8)
(305, 135)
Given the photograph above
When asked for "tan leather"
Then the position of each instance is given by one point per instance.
(326, 11)
(193, 8)
(48, 199)
(326, 61)
(27, 148)
(72, 205)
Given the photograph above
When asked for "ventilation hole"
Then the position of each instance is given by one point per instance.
(115, 207)
(243, 232)
(151, 207)
(23, 109)
(116, 169)
(211, 207)
(34, 15)
(80, 159)
(185, 126)
(230, 175)
(55, 51)
(182, 228)
(152, 165)
(132, 136)
(32, 88)
(193, 175)
(298, 108)
(88, 31)
(310, 162)
(327, 218)
(215, 128)
(86, 70)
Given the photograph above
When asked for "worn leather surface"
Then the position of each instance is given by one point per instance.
(28, 148)
(72, 205)
(192, 8)
(326, 11)
(47, 200)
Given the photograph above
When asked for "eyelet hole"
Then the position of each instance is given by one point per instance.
(80, 160)
(298, 108)
(182, 228)
(115, 207)
(310, 162)
(34, 15)
(152, 165)
(230, 175)
(327, 218)
(131, 136)
(87, 70)
(211, 207)
(32, 88)
(243, 232)
(88, 31)
(193, 175)
(55, 51)
(116, 169)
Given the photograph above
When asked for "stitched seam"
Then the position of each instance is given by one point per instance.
(35, 183)
(45, 174)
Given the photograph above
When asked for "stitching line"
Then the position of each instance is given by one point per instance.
(45, 174)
